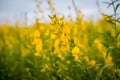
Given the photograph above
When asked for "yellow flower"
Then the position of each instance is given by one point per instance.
(86, 58)
(47, 58)
(108, 60)
(96, 68)
(76, 58)
(98, 44)
(41, 28)
(68, 62)
(96, 41)
(64, 48)
(56, 43)
(75, 50)
(46, 68)
(36, 34)
(66, 29)
(53, 36)
(56, 51)
(112, 32)
(36, 41)
(38, 5)
(92, 62)
(53, 22)
(64, 39)
(38, 47)
(75, 53)
(60, 56)
(24, 51)
(47, 33)
(37, 54)
(49, 1)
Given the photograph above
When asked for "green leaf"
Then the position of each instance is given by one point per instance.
(109, 50)
(112, 24)
(108, 16)
(105, 44)
(81, 67)
(101, 71)
(100, 33)
(118, 18)
(30, 62)
(117, 7)
(106, 2)
(62, 18)
(118, 33)
(109, 4)
(112, 3)
(115, 1)
(51, 17)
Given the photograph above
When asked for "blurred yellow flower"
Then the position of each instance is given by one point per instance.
(52, 36)
(98, 44)
(36, 34)
(37, 54)
(75, 50)
(76, 54)
(108, 60)
(46, 68)
(86, 58)
(92, 62)
(38, 47)
(60, 56)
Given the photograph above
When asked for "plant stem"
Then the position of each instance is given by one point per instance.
(75, 7)
(115, 38)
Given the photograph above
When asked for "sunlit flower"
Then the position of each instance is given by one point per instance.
(108, 60)
(75, 50)
(75, 53)
(92, 62)
(36, 34)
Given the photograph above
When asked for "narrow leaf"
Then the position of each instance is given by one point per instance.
(118, 18)
(112, 24)
(62, 18)
(112, 3)
(115, 1)
(81, 67)
(30, 62)
(109, 5)
(51, 17)
(118, 33)
(109, 50)
(106, 45)
(106, 2)
(101, 71)
(117, 7)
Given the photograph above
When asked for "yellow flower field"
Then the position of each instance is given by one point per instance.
(60, 50)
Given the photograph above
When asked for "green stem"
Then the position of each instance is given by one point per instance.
(115, 38)
(75, 7)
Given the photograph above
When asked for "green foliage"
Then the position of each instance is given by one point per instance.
(60, 50)
(101, 71)
(113, 20)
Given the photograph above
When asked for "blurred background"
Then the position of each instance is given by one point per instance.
(59, 40)
(26, 10)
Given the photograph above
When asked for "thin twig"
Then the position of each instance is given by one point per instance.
(74, 6)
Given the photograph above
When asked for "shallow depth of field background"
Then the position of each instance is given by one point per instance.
(59, 40)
